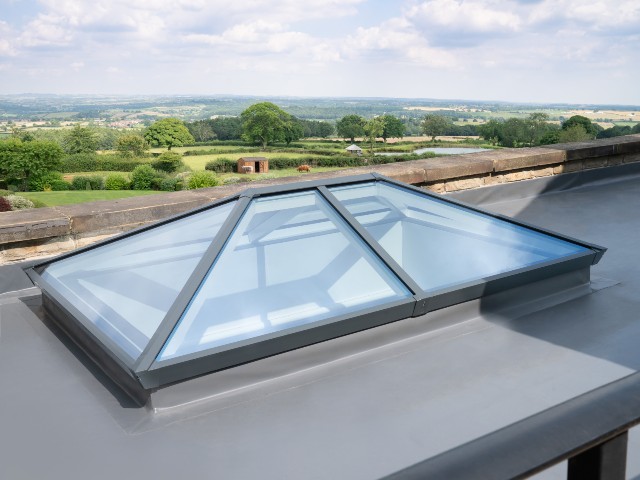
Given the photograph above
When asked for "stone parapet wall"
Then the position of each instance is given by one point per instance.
(48, 231)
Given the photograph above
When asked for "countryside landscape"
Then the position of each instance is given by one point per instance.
(58, 149)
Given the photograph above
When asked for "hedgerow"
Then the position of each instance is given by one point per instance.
(91, 162)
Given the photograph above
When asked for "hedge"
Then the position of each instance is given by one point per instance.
(91, 162)
(216, 151)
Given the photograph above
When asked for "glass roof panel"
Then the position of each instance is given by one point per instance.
(440, 244)
(126, 287)
(291, 261)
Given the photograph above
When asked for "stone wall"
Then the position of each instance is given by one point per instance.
(43, 232)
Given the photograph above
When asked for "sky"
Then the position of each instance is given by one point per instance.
(535, 51)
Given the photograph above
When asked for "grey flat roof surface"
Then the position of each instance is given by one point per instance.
(364, 415)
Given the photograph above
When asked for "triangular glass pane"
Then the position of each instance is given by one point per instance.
(291, 261)
(125, 288)
(440, 244)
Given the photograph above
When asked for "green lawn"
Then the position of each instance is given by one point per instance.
(52, 199)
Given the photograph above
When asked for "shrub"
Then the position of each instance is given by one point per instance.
(202, 179)
(116, 181)
(19, 203)
(5, 206)
(92, 182)
(4, 193)
(168, 162)
(222, 165)
(142, 177)
(171, 184)
(46, 182)
(60, 186)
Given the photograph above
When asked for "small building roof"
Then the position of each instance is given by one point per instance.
(354, 148)
(253, 159)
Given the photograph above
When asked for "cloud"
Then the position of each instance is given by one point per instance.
(597, 15)
(6, 40)
(393, 40)
(464, 23)
(46, 31)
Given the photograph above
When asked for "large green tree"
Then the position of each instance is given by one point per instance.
(266, 123)
(80, 140)
(392, 127)
(21, 161)
(574, 133)
(589, 127)
(350, 126)
(168, 132)
(433, 125)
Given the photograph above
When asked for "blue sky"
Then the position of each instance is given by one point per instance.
(576, 51)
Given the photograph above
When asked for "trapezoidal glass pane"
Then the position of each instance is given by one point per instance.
(125, 288)
(440, 244)
(291, 261)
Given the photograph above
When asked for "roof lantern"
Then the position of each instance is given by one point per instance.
(278, 268)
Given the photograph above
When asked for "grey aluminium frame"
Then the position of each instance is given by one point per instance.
(148, 373)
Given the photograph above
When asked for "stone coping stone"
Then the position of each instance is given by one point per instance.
(124, 214)
(598, 148)
(32, 224)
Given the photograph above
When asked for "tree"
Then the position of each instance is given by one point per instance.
(514, 133)
(350, 126)
(575, 133)
(21, 161)
(201, 130)
(392, 127)
(615, 131)
(227, 128)
(636, 128)
(491, 131)
(293, 130)
(537, 125)
(590, 128)
(373, 129)
(80, 140)
(434, 125)
(265, 123)
(324, 130)
(168, 132)
(131, 145)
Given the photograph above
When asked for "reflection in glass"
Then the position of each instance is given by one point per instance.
(291, 261)
(125, 288)
(440, 244)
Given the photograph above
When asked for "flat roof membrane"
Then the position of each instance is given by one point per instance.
(283, 267)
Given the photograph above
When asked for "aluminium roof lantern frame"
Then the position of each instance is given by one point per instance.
(363, 245)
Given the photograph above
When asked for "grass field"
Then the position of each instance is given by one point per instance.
(53, 199)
